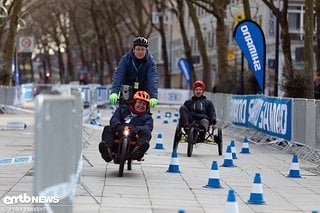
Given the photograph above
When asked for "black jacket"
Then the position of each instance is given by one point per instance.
(200, 108)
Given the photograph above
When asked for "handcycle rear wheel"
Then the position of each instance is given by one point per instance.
(192, 138)
(123, 155)
(177, 137)
(129, 164)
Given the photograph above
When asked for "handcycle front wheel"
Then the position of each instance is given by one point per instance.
(219, 141)
(192, 138)
(123, 154)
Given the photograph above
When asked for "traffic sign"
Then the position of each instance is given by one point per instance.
(26, 44)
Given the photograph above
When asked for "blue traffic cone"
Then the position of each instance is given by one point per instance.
(233, 149)
(245, 146)
(165, 120)
(256, 195)
(214, 179)
(95, 122)
(159, 144)
(228, 162)
(176, 113)
(232, 205)
(181, 210)
(294, 168)
(174, 163)
(159, 114)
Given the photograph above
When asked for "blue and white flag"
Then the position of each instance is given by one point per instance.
(185, 70)
(250, 38)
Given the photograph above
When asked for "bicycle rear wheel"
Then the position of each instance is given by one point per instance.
(123, 155)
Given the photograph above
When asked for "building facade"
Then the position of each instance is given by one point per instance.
(260, 13)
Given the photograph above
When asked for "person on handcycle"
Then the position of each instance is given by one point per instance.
(137, 69)
(198, 109)
(140, 122)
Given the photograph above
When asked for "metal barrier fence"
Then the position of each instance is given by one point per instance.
(304, 118)
(304, 113)
(18, 95)
(58, 150)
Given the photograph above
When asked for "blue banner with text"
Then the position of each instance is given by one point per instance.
(250, 38)
(269, 115)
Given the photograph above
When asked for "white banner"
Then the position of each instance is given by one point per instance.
(174, 96)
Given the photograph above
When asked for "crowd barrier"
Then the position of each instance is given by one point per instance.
(292, 119)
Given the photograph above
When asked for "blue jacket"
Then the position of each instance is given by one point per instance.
(140, 122)
(129, 71)
(200, 108)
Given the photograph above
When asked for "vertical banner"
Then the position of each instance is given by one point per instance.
(250, 38)
(185, 70)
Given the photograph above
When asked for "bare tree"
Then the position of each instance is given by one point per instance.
(218, 10)
(202, 46)
(179, 11)
(286, 44)
(5, 72)
(317, 10)
(308, 48)
(160, 8)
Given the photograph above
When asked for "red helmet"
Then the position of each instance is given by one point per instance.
(142, 95)
(198, 84)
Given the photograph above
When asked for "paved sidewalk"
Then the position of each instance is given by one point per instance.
(148, 187)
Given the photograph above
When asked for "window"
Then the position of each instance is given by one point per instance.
(294, 21)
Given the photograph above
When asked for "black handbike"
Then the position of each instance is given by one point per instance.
(194, 135)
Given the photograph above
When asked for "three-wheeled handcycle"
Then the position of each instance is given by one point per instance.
(195, 135)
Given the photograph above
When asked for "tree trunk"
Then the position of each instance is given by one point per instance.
(317, 8)
(221, 43)
(246, 8)
(186, 45)
(166, 76)
(308, 48)
(5, 73)
(202, 47)
(61, 67)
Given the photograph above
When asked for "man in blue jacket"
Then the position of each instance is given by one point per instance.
(137, 69)
(137, 118)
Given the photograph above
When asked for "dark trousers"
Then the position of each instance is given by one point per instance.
(109, 135)
(186, 119)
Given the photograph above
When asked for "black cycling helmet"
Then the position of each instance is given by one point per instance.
(140, 41)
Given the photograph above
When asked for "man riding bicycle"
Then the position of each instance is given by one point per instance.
(140, 122)
(137, 69)
(198, 109)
